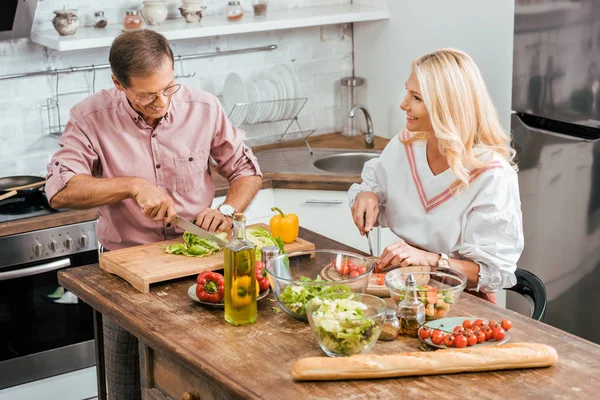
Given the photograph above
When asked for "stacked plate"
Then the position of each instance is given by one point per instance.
(265, 100)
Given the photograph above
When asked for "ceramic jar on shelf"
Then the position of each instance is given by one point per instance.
(66, 22)
(192, 10)
(154, 12)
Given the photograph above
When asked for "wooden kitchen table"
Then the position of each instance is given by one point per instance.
(188, 351)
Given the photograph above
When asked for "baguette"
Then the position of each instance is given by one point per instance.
(449, 361)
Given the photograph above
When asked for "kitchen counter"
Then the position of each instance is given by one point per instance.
(189, 351)
(271, 180)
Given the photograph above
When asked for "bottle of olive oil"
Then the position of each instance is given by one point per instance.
(241, 287)
(411, 312)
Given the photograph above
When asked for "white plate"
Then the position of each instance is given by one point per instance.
(268, 92)
(448, 324)
(288, 84)
(282, 94)
(192, 295)
(253, 97)
(234, 92)
(297, 90)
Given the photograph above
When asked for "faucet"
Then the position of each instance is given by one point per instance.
(369, 135)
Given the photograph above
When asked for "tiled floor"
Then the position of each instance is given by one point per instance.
(77, 385)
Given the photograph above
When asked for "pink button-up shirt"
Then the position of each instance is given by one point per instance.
(106, 138)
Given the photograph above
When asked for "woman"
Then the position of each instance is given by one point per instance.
(447, 185)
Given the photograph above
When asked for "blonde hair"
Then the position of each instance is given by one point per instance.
(461, 111)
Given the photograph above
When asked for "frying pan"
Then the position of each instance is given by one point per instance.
(21, 185)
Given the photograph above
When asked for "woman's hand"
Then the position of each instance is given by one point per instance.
(401, 254)
(365, 211)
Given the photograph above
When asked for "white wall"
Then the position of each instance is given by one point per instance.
(320, 57)
(384, 50)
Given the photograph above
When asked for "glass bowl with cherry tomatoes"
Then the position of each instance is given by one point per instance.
(438, 288)
(460, 332)
(297, 278)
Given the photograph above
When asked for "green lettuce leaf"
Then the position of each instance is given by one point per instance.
(193, 246)
(262, 237)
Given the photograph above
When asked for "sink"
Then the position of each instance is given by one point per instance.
(322, 161)
(345, 163)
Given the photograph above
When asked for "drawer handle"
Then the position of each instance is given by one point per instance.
(315, 201)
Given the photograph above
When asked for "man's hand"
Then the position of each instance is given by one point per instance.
(154, 202)
(401, 254)
(212, 220)
(365, 211)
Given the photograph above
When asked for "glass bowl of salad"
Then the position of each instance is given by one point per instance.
(297, 278)
(438, 288)
(346, 325)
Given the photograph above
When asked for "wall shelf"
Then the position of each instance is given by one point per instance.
(90, 37)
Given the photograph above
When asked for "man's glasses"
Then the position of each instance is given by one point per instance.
(148, 99)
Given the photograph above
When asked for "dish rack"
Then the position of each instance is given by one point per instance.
(269, 122)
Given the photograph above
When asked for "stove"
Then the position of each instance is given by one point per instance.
(15, 208)
(44, 329)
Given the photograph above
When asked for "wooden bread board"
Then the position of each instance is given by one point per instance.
(382, 291)
(147, 264)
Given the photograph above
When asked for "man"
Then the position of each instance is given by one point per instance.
(140, 153)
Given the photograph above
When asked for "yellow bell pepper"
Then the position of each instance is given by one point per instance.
(284, 226)
(240, 291)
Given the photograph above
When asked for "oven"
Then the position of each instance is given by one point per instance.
(45, 330)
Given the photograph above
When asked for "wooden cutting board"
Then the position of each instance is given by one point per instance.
(382, 291)
(147, 264)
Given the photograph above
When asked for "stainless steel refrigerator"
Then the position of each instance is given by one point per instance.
(556, 129)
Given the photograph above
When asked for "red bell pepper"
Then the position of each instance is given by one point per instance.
(210, 287)
(261, 276)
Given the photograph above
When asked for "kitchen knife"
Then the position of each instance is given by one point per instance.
(368, 237)
(196, 230)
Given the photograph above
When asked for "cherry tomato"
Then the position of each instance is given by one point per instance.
(478, 323)
(380, 279)
(352, 267)
(459, 341)
(458, 330)
(354, 274)
(506, 324)
(493, 323)
(480, 336)
(467, 324)
(488, 333)
(449, 340)
(362, 270)
(468, 332)
(425, 332)
(437, 337)
(471, 339)
(499, 334)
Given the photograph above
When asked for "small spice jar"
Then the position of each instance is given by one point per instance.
(391, 326)
(260, 7)
(234, 11)
(100, 19)
(132, 20)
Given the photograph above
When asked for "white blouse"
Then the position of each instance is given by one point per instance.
(483, 224)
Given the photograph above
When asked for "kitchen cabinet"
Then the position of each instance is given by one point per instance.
(325, 212)
(259, 210)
